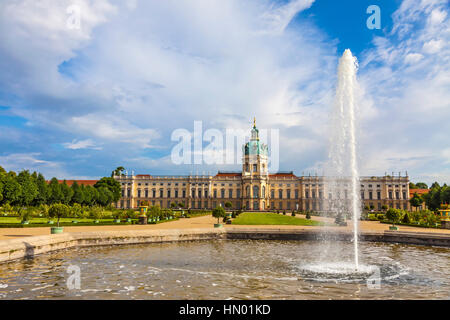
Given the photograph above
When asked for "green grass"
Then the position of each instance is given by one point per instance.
(269, 218)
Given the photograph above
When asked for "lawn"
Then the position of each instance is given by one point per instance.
(269, 218)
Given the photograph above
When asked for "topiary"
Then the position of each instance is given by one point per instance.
(406, 218)
(308, 215)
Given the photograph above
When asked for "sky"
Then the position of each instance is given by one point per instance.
(78, 102)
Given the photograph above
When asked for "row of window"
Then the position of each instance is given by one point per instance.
(204, 193)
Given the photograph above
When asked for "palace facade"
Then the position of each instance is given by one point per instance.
(254, 188)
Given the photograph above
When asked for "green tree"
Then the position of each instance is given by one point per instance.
(218, 213)
(112, 184)
(416, 200)
(67, 193)
(412, 186)
(228, 205)
(105, 196)
(78, 194)
(55, 193)
(43, 191)
(421, 185)
(58, 210)
(12, 190)
(118, 172)
(28, 186)
(393, 215)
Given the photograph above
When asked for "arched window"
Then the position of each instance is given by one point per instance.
(255, 192)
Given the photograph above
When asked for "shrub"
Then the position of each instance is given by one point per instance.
(372, 217)
(25, 214)
(58, 210)
(218, 213)
(380, 216)
(96, 213)
(284, 212)
(43, 209)
(308, 215)
(293, 213)
(393, 215)
(406, 218)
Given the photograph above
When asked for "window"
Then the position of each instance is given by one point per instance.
(238, 193)
(161, 193)
(288, 194)
(272, 194)
(378, 195)
(255, 168)
(314, 194)
(362, 194)
(280, 194)
(222, 193)
(168, 193)
(255, 192)
(193, 193)
(306, 194)
(176, 193)
(390, 194)
(184, 193)
(215, 193)
(320, 194)
(206, 194)
(296, 194)
(154, 193)
(370, 195)
(397, 195)
(139, 193)
(199, 193)
(230, 193)
(404, 195)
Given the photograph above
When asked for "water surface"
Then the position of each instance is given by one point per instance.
(233, 269)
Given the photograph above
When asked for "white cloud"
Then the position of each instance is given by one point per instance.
(81, 144)
(413, 58)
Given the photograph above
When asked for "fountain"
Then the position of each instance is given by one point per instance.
(342, 166)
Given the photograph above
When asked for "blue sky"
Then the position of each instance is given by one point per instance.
(76, 103)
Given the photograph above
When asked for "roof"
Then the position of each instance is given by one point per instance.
(80, 182)
(228, 174)
(418, 191)
(282, 174)
(143, 175)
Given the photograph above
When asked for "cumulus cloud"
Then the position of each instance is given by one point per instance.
(406, 77)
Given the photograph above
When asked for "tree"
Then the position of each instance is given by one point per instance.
(12, 190)
(43, 191)
(393, 215)
(78, 194)
(118, 172)
(218, 213)
(67, 193)
(421, 185)
(105, 196)
(416, 200)
(228, 205)
(412, 186)
(58, 210)
(112, 184)
(28, 186)
(55, 192)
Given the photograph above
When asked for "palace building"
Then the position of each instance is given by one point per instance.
(254, 188)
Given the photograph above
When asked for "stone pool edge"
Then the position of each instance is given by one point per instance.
(29, 247)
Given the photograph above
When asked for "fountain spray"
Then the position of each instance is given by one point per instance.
(343, 146)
